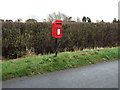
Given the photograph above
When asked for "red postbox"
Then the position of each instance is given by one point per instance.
(57, 29)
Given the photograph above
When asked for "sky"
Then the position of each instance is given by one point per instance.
(39, 9)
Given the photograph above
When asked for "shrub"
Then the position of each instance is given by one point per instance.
(36, 37)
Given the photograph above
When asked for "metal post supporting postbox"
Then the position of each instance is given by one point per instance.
(55, 47)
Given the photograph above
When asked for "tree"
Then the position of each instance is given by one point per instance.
(44, 20)
(88, 19)
(58, 16)
(84, 19)
(114, 21)
(118, 21)
(78, 19)
(102, 21)
(2, 20)
(97, 21)
(70, 19)
(8, 20)
(18, 20)
(31, 20)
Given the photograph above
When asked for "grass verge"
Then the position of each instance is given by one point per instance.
(33, 65)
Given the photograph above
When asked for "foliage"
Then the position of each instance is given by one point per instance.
(31, 20)
(17, 38)
(88, 20)
(9, 20)
(84, 19)
(116, 21)
(102, 21)
(18, 20)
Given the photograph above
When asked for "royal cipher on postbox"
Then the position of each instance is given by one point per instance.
(57, 29)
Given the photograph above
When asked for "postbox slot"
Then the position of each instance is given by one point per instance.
(58, 23)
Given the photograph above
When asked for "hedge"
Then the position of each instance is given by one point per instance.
(17, 38)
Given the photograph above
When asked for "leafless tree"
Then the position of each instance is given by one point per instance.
(58, 16)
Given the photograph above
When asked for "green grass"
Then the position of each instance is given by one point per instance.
(33, 65)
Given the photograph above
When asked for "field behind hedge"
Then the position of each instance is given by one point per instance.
(19, 38)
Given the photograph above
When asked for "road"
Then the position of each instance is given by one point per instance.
(101, 75)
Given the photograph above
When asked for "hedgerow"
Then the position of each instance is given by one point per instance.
(17, 38)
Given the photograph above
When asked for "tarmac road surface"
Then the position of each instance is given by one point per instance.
(101, 75)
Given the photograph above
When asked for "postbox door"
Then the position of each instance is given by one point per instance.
(59, 30)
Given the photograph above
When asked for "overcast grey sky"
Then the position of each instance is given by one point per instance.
(39, 9)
